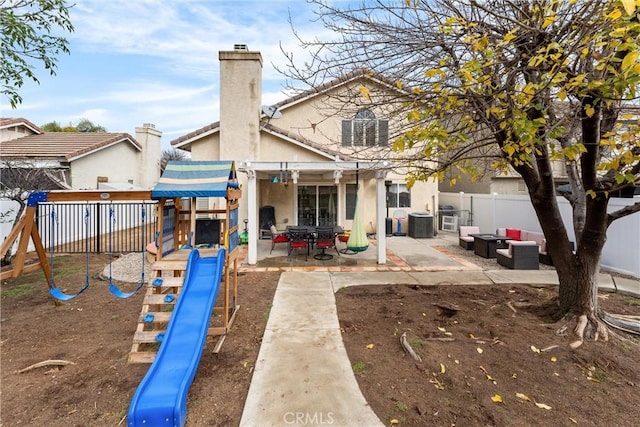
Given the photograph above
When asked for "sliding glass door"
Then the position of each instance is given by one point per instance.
(317, 205)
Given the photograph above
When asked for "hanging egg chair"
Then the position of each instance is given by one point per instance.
(358, 241)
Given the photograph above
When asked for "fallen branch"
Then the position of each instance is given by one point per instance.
(511, 307)
(439, 339)
(404, 342)
(522, 304)
(51, 362)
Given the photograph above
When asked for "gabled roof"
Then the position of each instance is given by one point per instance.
(357, 74)
(62, 146)
(360, 73)
(304, 142)
(17, 122)
(210, 129)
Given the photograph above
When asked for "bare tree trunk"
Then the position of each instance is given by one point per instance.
(577, 272)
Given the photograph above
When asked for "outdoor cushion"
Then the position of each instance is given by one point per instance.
(536, 237)
(278, 237)
(465, 230)
(513, 233)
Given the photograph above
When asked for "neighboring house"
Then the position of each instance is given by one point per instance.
(511, 182)
(309, 158)
(502, 183)
(73, 161)
(84, 160)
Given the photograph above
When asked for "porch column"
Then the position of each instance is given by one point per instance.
(252, 214)
(381, 201)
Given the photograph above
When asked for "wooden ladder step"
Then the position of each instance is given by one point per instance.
(168, 282)
(142, 356)
(164, 265)
(146, 336)
(158, 299)
(158, 317)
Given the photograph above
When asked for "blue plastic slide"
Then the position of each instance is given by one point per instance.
(161, 397)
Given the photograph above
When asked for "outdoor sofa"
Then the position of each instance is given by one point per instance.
(517, 234)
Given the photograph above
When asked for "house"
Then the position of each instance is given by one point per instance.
(510, 182)
(84, 160)
(309, 159)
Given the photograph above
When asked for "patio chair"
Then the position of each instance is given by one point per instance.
(277, 237)
(325, 239)
(298, 239)
(465, 240)
(519, 255)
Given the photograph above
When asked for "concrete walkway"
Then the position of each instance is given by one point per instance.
(303, 375)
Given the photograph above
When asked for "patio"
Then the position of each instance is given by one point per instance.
(403, 254)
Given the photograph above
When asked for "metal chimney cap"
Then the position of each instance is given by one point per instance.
(240, 46)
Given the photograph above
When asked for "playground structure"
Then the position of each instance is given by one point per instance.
(192, 291)
(181, 226)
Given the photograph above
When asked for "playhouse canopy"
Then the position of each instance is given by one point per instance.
(196, 179)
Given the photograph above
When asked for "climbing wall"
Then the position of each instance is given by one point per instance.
(164, 288)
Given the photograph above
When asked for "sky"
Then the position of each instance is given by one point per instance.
(156, 61)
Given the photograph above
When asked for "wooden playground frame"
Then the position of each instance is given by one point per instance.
(171, 263)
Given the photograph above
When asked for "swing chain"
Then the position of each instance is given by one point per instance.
(54, 222)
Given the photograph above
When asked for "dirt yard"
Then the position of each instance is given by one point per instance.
(487, 364)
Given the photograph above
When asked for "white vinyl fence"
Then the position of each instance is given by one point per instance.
(621, 252)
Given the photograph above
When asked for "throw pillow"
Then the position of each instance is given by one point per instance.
(513, 233)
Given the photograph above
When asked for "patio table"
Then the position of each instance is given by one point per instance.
(485, 245)
(310, 231)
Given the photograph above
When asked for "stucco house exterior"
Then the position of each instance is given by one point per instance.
(74, 161)
(310, 157)
(84, 160)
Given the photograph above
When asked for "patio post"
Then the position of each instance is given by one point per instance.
(381, 235)
(252, 214)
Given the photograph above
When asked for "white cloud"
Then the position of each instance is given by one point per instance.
(153, 61)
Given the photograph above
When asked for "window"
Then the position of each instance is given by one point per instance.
(365, 130)
(398, 196)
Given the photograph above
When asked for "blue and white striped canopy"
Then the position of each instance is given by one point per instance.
(203, 178)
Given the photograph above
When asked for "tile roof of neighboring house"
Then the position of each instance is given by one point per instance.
(354, 75)
(63, 146)
(13, 122)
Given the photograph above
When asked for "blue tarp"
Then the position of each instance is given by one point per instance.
(196, 179)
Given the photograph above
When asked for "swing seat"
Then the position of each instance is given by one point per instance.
(118, 293)
(58, 294)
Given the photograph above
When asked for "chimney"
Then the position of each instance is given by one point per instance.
(240, 101)
(149, 171)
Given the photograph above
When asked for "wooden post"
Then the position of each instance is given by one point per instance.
(23, 244)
